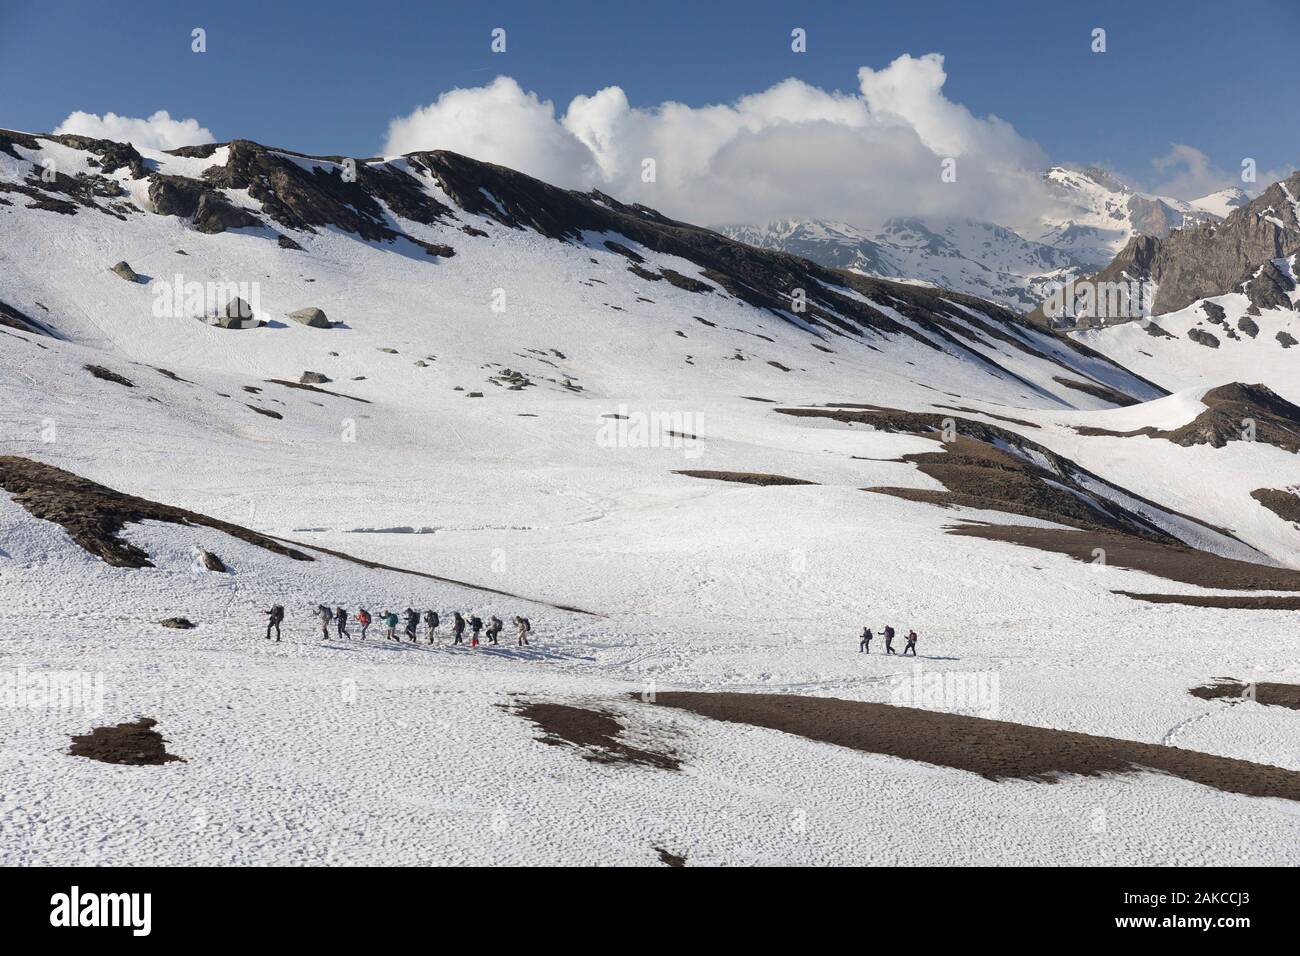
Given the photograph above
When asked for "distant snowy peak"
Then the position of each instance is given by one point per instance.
(1097, 213)
(966, 255)
(1251, 251)
(1223, 202)
(1093, 219)
(833, 244)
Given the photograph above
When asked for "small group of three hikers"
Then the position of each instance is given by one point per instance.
(339, 619)
(864, 642)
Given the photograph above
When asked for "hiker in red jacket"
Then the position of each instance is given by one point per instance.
(363, 618)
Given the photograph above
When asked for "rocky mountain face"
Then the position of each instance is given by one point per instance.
(1247, 252)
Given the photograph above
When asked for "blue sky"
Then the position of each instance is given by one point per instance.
(328, 77)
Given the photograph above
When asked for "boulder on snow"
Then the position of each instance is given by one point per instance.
(125, 271)
(178, 623)
(212, 562)
(313, 378)
(237, 314)
(311, 316)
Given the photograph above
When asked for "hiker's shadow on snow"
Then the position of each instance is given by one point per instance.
(521, 654)
(528, 654)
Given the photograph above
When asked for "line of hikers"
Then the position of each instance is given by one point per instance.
(864, 641)
(338, 618)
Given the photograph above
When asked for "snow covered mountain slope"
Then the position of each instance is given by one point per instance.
(1218, 339)
(524, 400)
(1222, 202)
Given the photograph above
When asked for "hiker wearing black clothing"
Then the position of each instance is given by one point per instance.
(326, 618)
(276, 615)
(457, 627)
(431, 623)
(524, 628)
(911, 643)
(341, 621)
(864, 644)
(475, 625)
(493, 628)
(412, 621)
(889, 639)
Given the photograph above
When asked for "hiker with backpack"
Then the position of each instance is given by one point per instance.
(390, 622)
(493, 628)
(524, 628)
(326, 619)
(363, 618)
(276, 615)
(457, 627)
(864, 643)
(889, 639)
(475, 625)
(911, 643)
(341, 621)
(431, 623)
(412, 622)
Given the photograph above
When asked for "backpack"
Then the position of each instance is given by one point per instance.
(528, 628)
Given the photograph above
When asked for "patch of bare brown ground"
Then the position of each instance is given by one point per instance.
(670, 859)
(303, 386)
(94, 515)
(745, 477)
(1097, 390)
(994, 749)
(1175, 562)
(1274, 695)
(593, 732)
(978, 470)
(1234, 602)
(1283, 503)
(978, 411)
(1275, 420)
(135, 743)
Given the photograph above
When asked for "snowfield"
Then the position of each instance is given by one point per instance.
(560, 500)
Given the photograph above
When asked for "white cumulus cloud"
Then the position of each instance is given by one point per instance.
(158, 131)
(793, 150)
